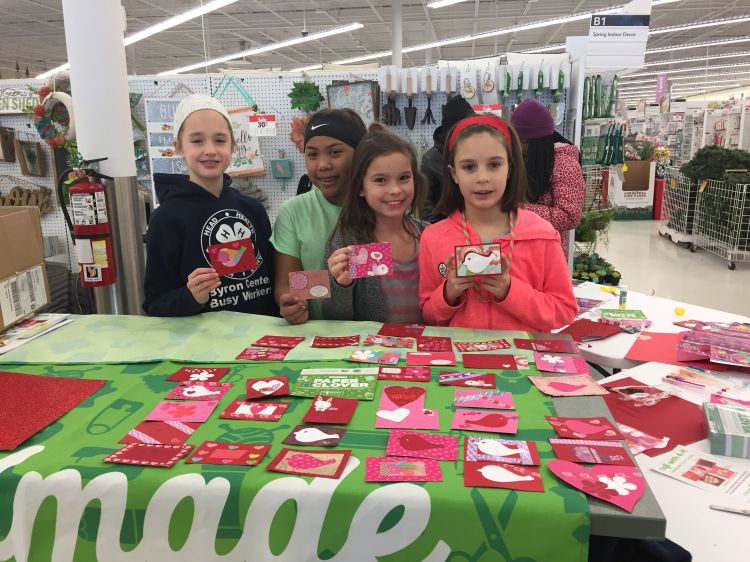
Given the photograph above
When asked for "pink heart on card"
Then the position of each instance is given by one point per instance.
(622, 486)
(360, 258)
(583, 427)
(565, 387)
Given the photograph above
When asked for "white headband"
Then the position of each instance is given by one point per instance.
(196, 102)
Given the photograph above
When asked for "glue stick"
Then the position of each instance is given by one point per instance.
(623, 297)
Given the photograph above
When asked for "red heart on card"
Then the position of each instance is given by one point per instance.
(402, 395)
(565, 387)
(622, 486)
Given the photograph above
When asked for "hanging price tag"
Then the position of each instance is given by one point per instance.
(703, 185)
(673, 183)
(490, 108)
(262, 125)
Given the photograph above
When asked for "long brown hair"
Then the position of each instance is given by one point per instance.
(357, 219)
(515, 186)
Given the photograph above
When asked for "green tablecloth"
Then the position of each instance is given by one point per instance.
(239, 513)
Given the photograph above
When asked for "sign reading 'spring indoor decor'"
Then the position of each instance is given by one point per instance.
(619, 40)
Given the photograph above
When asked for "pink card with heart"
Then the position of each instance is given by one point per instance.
(283, 342)
(464, 346)
(312, 284)
(592, 452)
(494, 399)
(182, 411)
(422, 445)
(427, 358)
(267, 386)
(402, 407)
(199, 391)
(568, 385)
(401, 330)
(554, 346)
(161, 432)
(411, 374)
(622, 486)
(489, 361)
(402, 469)
(434, 343)
(474, 380)
(331, 409)
(258, 411)
(500, 450)
(571, 364)
(482, 420)
(215, 452)
(263, 354)
(585, 428)
(503, 475)
(334, 341)
(198, 374)
(371, 260)
(388, 341)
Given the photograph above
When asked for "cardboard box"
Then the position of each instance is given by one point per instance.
(632, 195)
(23, 277)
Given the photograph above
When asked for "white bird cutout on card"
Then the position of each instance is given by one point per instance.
(476, 262)
(495, 448)
(500, 474)
(313, 434)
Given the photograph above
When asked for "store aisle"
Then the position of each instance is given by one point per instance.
(649, 261)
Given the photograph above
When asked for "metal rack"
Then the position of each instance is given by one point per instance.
(594, 195)
(678, 207)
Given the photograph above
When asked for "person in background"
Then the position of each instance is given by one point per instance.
(432, 161)
(380, 205)
(556, 184)
(305, 221)
(199, 211)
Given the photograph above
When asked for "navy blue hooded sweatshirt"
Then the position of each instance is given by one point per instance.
(188, 220)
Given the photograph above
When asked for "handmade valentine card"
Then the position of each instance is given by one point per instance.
(233, 257)
(402, 469)
(593, 452)
(476, 380)
(361, 387)
(555, 346)
(489, 361)
(370, 260)
(267, 386)
(196, 411)
(373, 356)
(214, 452)
(728, 400)
(334, 341)
(312, 284)
(326, 464)
(622, 486)
(199, 391)
(149, 455)
(161, 432)
(259, 411)
(482, 420)
(401, 330)
(640, 442)
(478, 259)
(416, 358)
(283, 342)
(584, 305)
(433, 343)
(312, 436)
(503, 475)
(495, 399)
(464, 346)
(662, 348)
(522, 363)
(585, 428)
(263, 354)
(413, 374)
(568, 385)
(388, 341)
(330, 409)
(572, 364)
(500, 450)
(583, 330)
(422, 445)
(198, 374)
(402, 407)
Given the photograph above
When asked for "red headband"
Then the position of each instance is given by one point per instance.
(493, 121)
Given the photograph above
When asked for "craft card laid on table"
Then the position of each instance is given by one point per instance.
(553, 346)
(489, 361)
(313, 284)
(402, 469)
(335, 341)
(478, 259)
(198, 374)
(482, 420)
(574, 365)
(215, 452)
(481, 345)
(330, 409)
(593, 452)
(476, 380)
(412, 374)
(433, 343)
(376, 357)
(401, 330)
(503, 475)
(585, 428)
(622, 486)
(422, 445)
(500, 450)
(232, 257)
(360, 387)
(494, 399)
(326, 464)
(199, 391)
(267, 386)
(263, 354)
(426, 358)
(402, 407)
(161, 432)
(568, 385)
(257, 411)
(142, 454)
(585, 330)
(371, 260)
(310, 435)
(388, 341)
(195, 411)
(283, 342)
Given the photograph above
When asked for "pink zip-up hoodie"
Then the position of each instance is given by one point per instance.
(541, 293)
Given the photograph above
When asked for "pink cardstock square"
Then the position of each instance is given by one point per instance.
(402, 469)
(494, 399)
(482, 420)
(312, 284)
(568, 385)
(474, 380)
(334, 341)
(263, 354)
(194, 411)
(402, 407)
(553, 363)
(427, 358)
(422, 445)
(371, 260)
(199, 391)
(489, 361)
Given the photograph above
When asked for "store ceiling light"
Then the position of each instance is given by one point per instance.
(624, 79)
(706, 44)
(683, 86)
(306, 68)
(266, 48)
(677, 79)
(158, 28)
(697, 59)
(700, 24)
(444, 3)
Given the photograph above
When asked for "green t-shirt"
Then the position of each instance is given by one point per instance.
(301, 230)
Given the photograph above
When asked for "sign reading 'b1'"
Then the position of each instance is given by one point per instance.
(618, 41)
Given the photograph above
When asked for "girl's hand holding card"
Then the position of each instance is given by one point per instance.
(338, 265)
(201, 282)
(455, 286)
(498, 285)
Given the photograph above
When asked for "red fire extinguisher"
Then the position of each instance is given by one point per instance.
(89, 224)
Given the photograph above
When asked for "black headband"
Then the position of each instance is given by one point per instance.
(333, 125)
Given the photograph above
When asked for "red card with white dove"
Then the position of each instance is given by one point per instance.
(402, 407)
(593, 452)
(412, 374)
(263, 354)
(312, 436)
(402, 469)
(258, 411)
(464, 346)
(198, 374)
(283, 342)
(474, 380)
(388, 341)
(422, 445)
(326, 464)
(503, 475)
(199, 391)
(482, 420)
(401, 330)
(232, 257)
(554, 346)
(489, 361)
(500, 450)
(552, 363)
(585, 428)
(215, 452)
(193, 411)
(312, 284)
(267, 386)
(330, 409)
(143, 454)
(161, 432)
(568, 385)
(427, 358)
(334, 341)
(434, 343)
(494, 399)
(622, 486)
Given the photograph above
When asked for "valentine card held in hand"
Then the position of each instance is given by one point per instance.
(571, 364)
(199, 391)
(433, 343)
(232, 257)
(334, 341)
(500, 450)
(402, 469)
(149, 455)
(161, 432)
(370, 260)
(426, 358)
(258, 411)
(242, 454)
(568, 385)
(388, 341)
(585, 428)
(309, 435)
(283, 342)
(494, 399)
(377, 357)
(182, 411)
(476, 380)
(503, 475)
(313, 284)
(482, 420)
(554, 346)
(267, 386)
(402, 407)
(401, 330)
(592, 452)
(422, 445)
(481, 345)
(412, 374)
(478, 259)
(198, 374)
(326, 464)
(622, 486)
(263, 354)
(330, 409)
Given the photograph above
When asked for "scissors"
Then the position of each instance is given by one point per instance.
(492, 533)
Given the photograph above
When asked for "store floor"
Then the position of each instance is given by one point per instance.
(650, 262)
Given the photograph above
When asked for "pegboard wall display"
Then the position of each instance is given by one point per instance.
(270, 94)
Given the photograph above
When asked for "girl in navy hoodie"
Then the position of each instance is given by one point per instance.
(198, 212)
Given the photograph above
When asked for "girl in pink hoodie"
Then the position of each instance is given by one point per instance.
(485, 186)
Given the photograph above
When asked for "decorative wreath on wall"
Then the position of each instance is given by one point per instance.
(54, 119)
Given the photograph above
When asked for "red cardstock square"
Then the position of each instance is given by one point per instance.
(282, 342)
(313, 284)
(585, 428)
(583, 330)
(592, 452)
(198, 374)
(199, 391)
(402, 330)
(149, 455)
(473, 380)
(263, 354)
(312, 436)
(161, 432)
(233, 257)
(555, 346)
(388, 341)
(267, 386)
(258, 411)
(427, 358)
(503, 475)
(334, 341)
(489, 361)
(413, 374)
(325, 464)
(330, 409)
(242, 454)
(434, 343)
